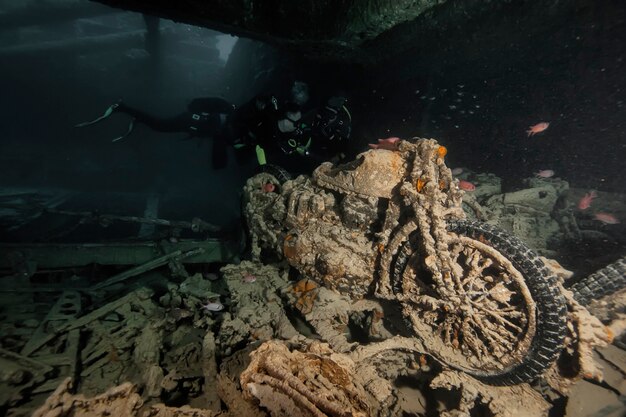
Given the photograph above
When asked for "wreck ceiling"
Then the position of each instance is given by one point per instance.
(319, 28)
(364, 31)
(355, 31)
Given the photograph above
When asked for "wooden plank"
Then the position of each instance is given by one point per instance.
(96, 314)
(152, 264)
(67, 307)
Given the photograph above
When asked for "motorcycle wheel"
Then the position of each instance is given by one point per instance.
(503, 323)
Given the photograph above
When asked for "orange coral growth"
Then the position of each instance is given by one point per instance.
(423, 360)
(289, 247)
(609, 335)
(420, 184)
(304, 285)
(442, 151)
(306, 291)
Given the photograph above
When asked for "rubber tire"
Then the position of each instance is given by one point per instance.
(542, 284)
(281, 174)
(606, 281)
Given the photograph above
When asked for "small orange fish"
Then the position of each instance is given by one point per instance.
(606, 218)
(585, 201)
(538, 128)
(466, 185)
(391, 144)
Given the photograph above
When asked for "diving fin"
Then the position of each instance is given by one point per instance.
(131, 125)
(106, 114)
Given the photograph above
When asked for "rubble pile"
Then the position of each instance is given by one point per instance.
(332, 316)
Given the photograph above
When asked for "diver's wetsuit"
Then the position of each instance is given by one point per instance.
(300, 148)
(166, 125)
(206, 117)
(261, 125)
(252, 125)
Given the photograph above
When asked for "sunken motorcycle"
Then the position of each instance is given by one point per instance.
(390, 224)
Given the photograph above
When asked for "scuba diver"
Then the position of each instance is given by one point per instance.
(281, 135)
(272, 130)
(205, 117)
(277, 133)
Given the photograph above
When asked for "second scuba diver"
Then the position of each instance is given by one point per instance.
(276, 134)
(205, 117)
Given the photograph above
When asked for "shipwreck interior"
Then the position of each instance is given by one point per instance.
(464, 253)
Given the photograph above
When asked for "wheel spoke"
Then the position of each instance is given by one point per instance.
(474, 343)
(498, 317)
(477, 306)
(500, 331)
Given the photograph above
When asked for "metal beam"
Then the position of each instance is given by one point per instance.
(65, 255)
(38, 12)
(75, 46)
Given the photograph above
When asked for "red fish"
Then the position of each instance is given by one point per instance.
(544, 173)
(585, 202)
(538, 128)
(390, 144)
(466, 185)
(606, 218)
(268, 187)
(249, 278)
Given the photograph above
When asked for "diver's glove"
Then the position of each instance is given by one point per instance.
(106, 114)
